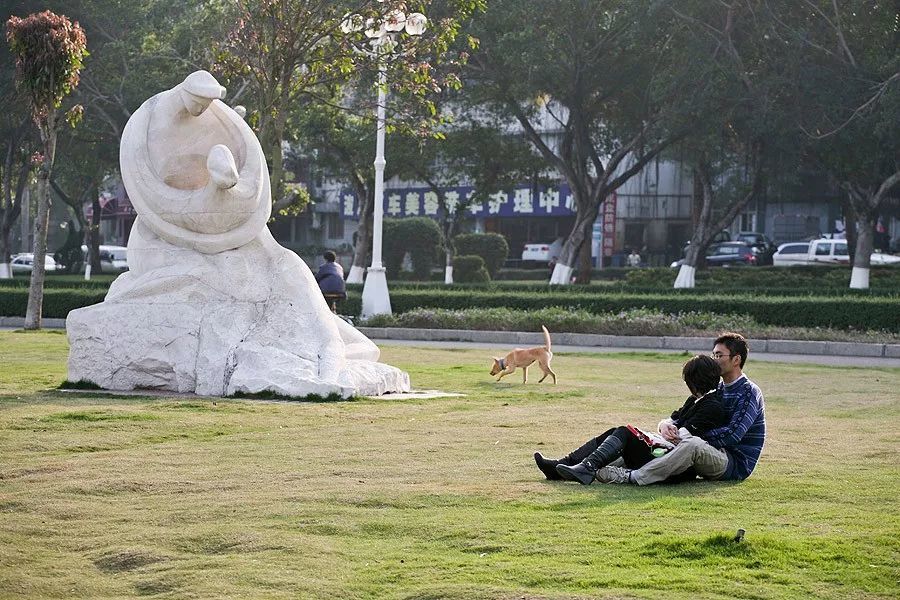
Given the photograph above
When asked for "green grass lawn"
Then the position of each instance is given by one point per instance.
(105, 496)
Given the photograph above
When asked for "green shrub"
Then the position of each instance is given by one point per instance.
(57, 302)
(543, 274)
(420, 236)
(470, 269)
(492, 247)
(840, 312)
(638, 321)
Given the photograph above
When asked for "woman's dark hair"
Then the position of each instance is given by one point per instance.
(330, 256)
(701, 374)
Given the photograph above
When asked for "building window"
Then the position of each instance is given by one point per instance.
(748, 221)
(335, 226)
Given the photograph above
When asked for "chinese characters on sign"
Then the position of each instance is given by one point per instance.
(609, 224)
(520, 202)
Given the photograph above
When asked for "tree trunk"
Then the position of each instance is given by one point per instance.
(448, 229)
(584, 255)
(362, 251)
(94, 232)
(850, 221)
(41, 222)
(5, 249)
(705, 227)
(580, 235)
(276, 158)
(859, 278)
(14, 194)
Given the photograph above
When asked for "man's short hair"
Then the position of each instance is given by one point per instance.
(330, 256)
(735, 343)
(701, 374)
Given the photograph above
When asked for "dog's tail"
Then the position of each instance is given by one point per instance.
(546, 338)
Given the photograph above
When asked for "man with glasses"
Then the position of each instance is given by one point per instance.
(725, 453)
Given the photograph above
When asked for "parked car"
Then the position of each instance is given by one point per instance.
(726, 254)
(880, 258)
(760, 244)
(113, 259)
(823, 252)
(793, 253)
(542, 253)
(23, 263)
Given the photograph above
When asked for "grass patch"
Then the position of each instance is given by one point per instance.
(270, 395)
(81, 384)
(437, 498)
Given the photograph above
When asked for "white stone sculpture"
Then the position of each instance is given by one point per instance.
(211, 303)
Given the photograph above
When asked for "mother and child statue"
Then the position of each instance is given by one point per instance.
(211, 304)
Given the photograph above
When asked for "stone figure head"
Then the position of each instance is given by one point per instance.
(194, 169)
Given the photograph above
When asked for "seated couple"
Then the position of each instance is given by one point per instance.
(718, 433)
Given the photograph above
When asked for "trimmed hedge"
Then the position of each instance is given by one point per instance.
(420, 236)
(57, 302)
(850, 311)
(470, 269)
(543, 274)
(847, 312)
(492, 247)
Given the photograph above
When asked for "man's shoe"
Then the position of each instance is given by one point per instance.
(579, 473)
(547, 466)
(610, 474)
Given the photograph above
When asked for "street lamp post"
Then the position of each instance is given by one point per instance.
(382, 37)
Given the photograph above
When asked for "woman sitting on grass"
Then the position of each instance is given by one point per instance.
(702, 412)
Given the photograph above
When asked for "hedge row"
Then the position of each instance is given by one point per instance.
(621, 287)
(57, 302)
(815, 277)
(848, 312)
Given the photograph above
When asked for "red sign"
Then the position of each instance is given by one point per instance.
(609, 224)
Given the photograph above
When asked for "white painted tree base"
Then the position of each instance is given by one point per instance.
(448, 275)
(5, 271)
(87, 272)
(356, 274)
(859, 278)
(562, 275)
(375, 297)
(686, 277)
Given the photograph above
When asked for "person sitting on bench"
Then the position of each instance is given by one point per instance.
(331, 280)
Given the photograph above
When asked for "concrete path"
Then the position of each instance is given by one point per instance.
(497, 342)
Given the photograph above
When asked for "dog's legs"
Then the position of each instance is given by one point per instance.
(545, 367)
(524, 374)
(507, 371)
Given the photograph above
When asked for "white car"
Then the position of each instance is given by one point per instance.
(880, 258)
(113, 259)
(794, 253)
(823, 251)
(22, 263)
(542, 253)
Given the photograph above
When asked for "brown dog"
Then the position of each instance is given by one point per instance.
(523, 357)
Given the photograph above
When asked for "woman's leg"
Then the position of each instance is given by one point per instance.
(609, 450)
(548, 465)
(636, 452)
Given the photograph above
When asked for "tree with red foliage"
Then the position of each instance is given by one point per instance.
(49, 50)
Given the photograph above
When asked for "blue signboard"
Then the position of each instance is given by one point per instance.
(525, 201)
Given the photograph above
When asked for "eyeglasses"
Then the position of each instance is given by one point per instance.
(718, 355)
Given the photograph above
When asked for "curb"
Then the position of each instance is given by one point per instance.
(19, 322)
(643, 342)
